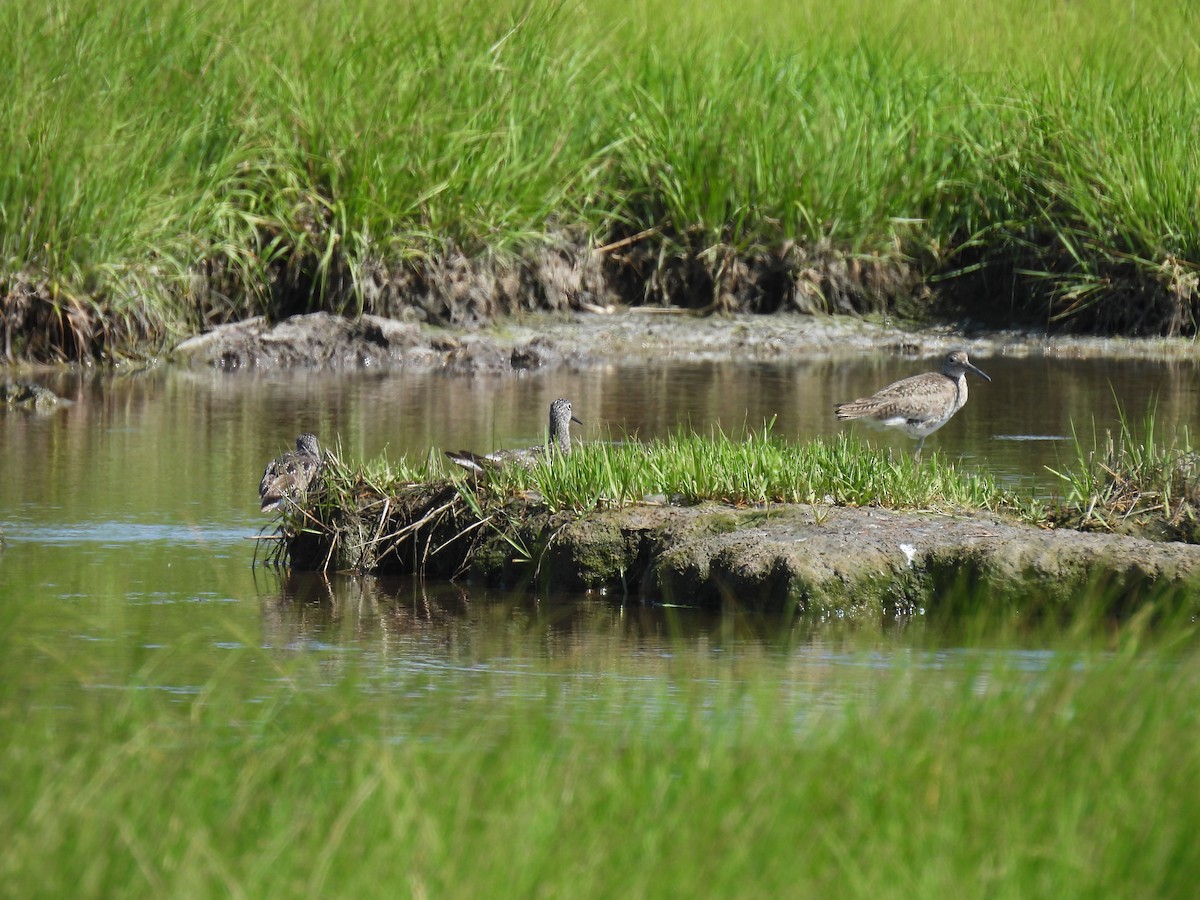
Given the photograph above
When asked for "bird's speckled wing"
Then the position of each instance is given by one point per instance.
(913, 399)
(287, 476)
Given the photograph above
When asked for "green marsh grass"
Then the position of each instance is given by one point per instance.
(738, 469)
(1134, 478)
(1135, 482)
(752, 468)
(366, 511)
(174, 164)
(917, 774)
(748, 469)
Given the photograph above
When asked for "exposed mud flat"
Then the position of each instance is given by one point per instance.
(317, 340)
(544, 341)
(824, 561)
(853, 562)
(326, 341)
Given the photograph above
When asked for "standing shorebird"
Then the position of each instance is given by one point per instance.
(920, 405)
(560, 440)
(288, 477)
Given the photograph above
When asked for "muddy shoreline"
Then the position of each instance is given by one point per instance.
(545, 341)
(822, 561)
(374, 305)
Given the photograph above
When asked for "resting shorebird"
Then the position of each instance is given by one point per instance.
(560, 439)
(920, 405)
(288, 477)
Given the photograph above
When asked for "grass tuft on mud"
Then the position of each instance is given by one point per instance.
(381, 518)
(756, 468)
(378, 517)
(173, 165)
(1128, 484)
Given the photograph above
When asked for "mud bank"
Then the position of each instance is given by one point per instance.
(837, 561)
(237, 324)
(564, 273)
(580, 340)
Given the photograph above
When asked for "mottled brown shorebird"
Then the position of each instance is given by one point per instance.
(287, 478)
(560, 439)
(919, 405)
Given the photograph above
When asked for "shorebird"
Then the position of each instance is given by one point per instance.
(560, 440)
(288, 477)
(919, 405)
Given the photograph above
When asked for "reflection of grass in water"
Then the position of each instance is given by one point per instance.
(206, 168)
(954, 774)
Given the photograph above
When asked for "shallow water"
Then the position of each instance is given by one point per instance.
(127, 515)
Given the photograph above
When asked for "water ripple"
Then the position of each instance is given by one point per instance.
(116, 533)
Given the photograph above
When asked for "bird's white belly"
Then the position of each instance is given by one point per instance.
(913, 427)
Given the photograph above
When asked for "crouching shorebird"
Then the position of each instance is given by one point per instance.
(287, 478)
(919, 405)
(560, 440)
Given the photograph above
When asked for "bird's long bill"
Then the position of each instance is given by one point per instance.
(978, 371)
(576, 420)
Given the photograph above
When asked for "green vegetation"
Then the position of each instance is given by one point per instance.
(366, 512)
(382, 517)
(759, 468)
(1130, 483)
(688, 468)
(1125, 478)
(913, 773)
(168, 165)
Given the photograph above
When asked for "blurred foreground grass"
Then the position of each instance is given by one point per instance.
(891, 766)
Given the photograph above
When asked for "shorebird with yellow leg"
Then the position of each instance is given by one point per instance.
(919, 405)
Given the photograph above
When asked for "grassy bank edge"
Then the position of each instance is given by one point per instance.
(506, 524)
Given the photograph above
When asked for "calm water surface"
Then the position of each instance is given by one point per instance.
(127, 515)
